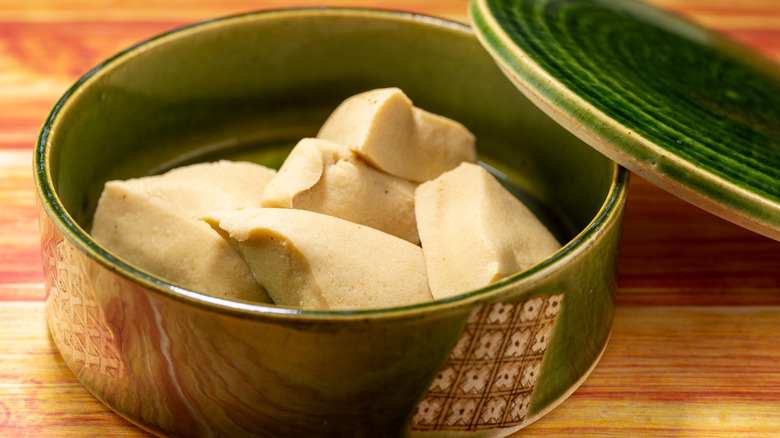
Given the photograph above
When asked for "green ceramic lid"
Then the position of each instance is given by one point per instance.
(687, 109)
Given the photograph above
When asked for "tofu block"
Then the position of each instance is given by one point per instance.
(314, 261)
(152, 223)
(328, 178)
(385, 129)
(474, 232)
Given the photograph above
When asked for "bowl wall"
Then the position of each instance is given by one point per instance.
(248, 87)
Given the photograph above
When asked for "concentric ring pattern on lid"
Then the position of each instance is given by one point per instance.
(683, 107)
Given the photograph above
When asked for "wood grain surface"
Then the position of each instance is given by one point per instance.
(695, 349)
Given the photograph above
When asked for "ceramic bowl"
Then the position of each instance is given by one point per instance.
(180, 363)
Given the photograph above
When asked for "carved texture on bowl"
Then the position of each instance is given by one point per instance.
(489, 377)
(75, 317)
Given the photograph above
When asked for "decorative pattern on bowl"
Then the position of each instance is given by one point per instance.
(489, 378)
(76, 316)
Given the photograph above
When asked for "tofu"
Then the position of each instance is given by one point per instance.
(386, 207)
(474, 232)
(151, 222)
(328, 178)
(313, 261)
(385, 129)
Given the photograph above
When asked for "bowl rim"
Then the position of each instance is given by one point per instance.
(76, 235)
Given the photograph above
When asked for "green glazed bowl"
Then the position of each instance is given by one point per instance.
(181, 363)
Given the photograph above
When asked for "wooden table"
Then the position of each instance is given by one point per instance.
(695, 349)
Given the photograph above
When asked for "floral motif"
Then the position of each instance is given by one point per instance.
(444, 379)
(475, 379)
(519, 406)
(500, 313)
(541, 337)
(507, 375)
(488, 345)
(553, 305)
(531, 309)
(518, 342)
(493, 410)
(427, 411)
(531, 373)
(462, 411)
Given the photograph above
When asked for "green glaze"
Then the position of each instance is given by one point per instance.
(183, 363)
(685, 108)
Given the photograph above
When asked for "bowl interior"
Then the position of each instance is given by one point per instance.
(249, 87)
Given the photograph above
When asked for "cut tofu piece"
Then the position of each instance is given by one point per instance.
(474, 232)
(152, 223)
(329, 178)
(314, 261)
(385, 129)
